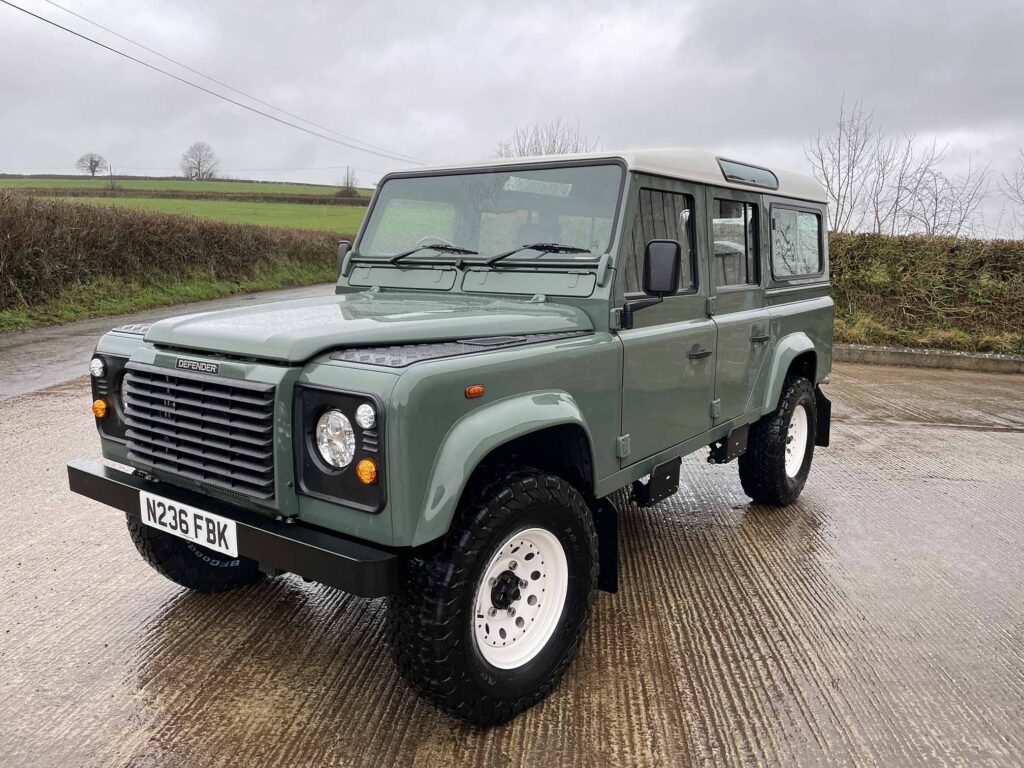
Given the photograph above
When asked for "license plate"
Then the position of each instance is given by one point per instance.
(187, 522)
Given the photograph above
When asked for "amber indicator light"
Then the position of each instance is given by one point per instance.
(366, 471)
(474, 390)
(99, 408)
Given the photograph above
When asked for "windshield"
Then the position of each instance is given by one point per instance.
(497, 210)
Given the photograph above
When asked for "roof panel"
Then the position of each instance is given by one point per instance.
(677, 162)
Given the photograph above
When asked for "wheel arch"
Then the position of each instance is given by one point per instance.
(545, 430)
(795, 352)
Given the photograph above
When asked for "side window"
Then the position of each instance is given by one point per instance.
(796, 243)
(734, 231)
(659, 216)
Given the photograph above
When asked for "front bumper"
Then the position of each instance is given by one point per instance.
(277, 546)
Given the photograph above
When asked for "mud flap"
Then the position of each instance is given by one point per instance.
(823, 414)
(606, 522)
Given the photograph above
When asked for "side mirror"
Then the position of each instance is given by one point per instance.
(662, 264)
(663, 261)
(344, 246)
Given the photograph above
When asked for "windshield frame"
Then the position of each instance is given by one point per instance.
(526, 260)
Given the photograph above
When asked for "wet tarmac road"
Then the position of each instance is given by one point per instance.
(878, 621)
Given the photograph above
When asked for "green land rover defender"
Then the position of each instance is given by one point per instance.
(515, 352)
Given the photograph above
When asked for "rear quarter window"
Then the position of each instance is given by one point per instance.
(796, 243)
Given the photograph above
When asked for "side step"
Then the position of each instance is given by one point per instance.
(730, 447)
(663, 482)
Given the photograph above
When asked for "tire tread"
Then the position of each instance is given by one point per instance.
(424, 613)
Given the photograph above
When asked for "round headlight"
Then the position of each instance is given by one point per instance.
(97, 367)
(366, 417)
(335, 439)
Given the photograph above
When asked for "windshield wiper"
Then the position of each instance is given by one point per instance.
(542, 247)
(443, 247)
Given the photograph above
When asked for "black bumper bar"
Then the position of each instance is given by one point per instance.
(308, 552)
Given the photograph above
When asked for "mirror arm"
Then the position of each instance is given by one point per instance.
(637, 304)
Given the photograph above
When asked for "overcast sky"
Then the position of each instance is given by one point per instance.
(446, 81)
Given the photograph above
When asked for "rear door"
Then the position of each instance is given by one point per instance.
(669, 354)
(734, 255)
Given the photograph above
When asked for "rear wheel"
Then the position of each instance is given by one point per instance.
(488, 618)
(188, 564)
(780, 447)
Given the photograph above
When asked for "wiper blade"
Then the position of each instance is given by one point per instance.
(443, 247)
(542, 247)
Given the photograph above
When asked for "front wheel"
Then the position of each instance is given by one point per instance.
(487, 620)
(780, 447)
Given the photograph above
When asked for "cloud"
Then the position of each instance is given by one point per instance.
(448, 81)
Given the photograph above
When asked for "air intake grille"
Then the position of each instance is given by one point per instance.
(211, 430)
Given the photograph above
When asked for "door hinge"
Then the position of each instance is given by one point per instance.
(622, 446)
(711, 306)
(716, 409)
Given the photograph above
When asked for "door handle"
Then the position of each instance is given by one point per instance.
(759, 339)
(697, 354)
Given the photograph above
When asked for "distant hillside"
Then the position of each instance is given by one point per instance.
(168, 183)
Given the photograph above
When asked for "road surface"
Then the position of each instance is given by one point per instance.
(878, 621)
(44, 357)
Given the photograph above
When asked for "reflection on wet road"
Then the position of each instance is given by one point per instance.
(880, 620)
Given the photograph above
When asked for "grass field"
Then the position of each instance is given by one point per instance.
(323, 218)
(178, 185)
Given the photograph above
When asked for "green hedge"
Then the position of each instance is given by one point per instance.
(919, 291)
(941, 292)
(50, 248)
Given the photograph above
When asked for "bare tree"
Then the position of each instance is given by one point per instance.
(945, 205)
(551, 138)
(1012, 185)
(91, 163)
(199, 162)
(899, 170)
(348, 186)
(841, 161)
(892, 186)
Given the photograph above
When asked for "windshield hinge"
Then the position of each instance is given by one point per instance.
(615, 319)
(711, 306)
(604, 268)
(622, 446)
(716, 409)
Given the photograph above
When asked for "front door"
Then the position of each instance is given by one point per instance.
(669, 354)
(734, 232)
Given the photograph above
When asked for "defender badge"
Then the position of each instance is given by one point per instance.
(198, 366)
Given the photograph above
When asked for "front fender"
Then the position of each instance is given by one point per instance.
(473, 437)
(786, 351)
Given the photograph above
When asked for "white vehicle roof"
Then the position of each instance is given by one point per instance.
(677, 162)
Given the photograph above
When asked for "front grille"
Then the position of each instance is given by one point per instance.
(211, 430)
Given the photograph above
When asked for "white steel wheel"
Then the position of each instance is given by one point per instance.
(796, 440)
(520, 598)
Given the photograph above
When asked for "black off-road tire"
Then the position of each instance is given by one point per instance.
(188, 564)
(763, 465)
(432, 616)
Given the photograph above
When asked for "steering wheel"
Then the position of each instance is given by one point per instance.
(432, 239)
